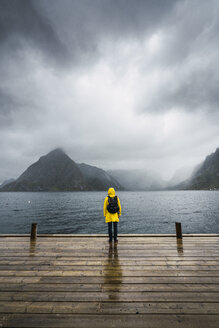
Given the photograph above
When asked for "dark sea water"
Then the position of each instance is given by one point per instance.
(82, 212)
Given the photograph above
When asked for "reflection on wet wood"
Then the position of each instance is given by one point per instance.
(143, 281)
(179, 242)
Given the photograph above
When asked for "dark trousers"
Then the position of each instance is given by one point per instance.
(110, 230)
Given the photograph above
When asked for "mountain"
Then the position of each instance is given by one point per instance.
(205, 176)
(98, 178)
(56, 171)
(138, 179)
(181, 175)
(6, 182)
(53, 172)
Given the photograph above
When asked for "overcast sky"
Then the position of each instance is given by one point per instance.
(116, 83)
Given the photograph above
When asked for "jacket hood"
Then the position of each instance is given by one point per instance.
(111, 192)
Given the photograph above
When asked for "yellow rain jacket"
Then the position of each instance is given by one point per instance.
(111, 217)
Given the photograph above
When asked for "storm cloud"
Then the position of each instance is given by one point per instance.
(116, 83)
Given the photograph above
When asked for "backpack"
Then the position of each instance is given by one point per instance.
(113, 206)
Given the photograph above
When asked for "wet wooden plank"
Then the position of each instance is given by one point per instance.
(109, 307)
(113, 280)
(122, 241)
(122, 262)
(110, 273)
(114, 266)
(98, 287)
(82, 277)
(105, 320)
(97, 247)
(118, 296)
(104, 253)
(51, 259)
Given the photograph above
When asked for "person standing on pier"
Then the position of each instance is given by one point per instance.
(112, 211)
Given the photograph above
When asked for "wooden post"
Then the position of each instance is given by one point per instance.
(178, 230)
(33, 231)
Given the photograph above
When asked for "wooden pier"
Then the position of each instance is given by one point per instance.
(81, 281)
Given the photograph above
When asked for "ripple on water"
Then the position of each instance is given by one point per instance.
(142, 212)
